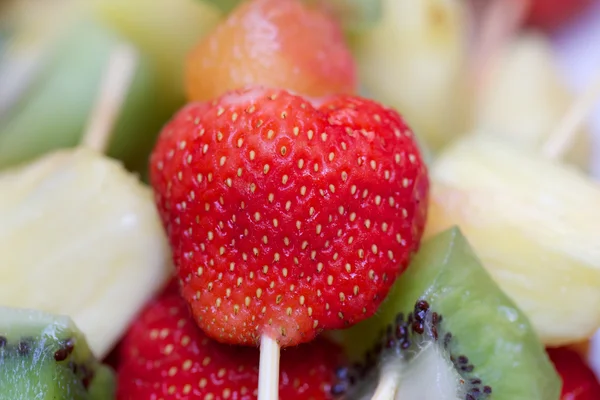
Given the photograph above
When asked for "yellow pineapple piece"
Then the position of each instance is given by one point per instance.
(414, 60)
(80, 236)
(534, 224)
(525, 97)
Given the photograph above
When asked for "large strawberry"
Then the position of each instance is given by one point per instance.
(287, 216)
(579, 381)
(166, 356)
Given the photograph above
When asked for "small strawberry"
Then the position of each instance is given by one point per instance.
(288, 217)
(165, 356)
(280, 43)
(552, 14)
(579, 381)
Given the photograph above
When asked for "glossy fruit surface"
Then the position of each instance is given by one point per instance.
(274, 43)
(165, 355)
(579, 381)
(288, 217)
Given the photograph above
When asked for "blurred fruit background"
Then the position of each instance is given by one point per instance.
(415, 56)
(579, 60)
(52, 59)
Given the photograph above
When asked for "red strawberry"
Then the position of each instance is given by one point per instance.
(272, 43)
(165, 356)
(551, 14)
(287, 216)
(579, 382)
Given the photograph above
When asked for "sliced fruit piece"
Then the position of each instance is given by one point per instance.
(165, 31)
(43, 356)
(273, 43)
(49, 106)
(165, 355)
(80, 237)
(447, 331)
(579, 381)
(533, 223)
(523, 107)
(414, 60)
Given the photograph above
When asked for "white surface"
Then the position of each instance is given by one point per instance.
(578, 50)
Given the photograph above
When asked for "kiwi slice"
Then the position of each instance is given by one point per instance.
(45, 357)
(446, 332)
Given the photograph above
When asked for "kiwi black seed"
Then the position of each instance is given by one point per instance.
(45, 357)
(446, 332)
(404, 338)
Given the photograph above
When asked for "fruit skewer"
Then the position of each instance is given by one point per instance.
(555, 147)
(568, 127)
(165, 355)
(501, 56)
(94, 223)
(287, 216)
(502, 19)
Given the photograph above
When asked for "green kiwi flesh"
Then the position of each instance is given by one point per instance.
(45, 357)
(447, 332)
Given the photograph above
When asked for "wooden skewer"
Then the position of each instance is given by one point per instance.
(113, 92)
(570, 125)
(389, 382)
(268, 374)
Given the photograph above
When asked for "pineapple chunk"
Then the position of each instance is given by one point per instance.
(79, 236)
(525, 98)
(414, 60)
(534, 224)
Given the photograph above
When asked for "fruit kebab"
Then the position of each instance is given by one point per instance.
(446, 332)
(165, 355)
(532, 221)
(80, 235)
(523, 108)
(287, 216)
(53, 56)
(501, 20)
(509, 101)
